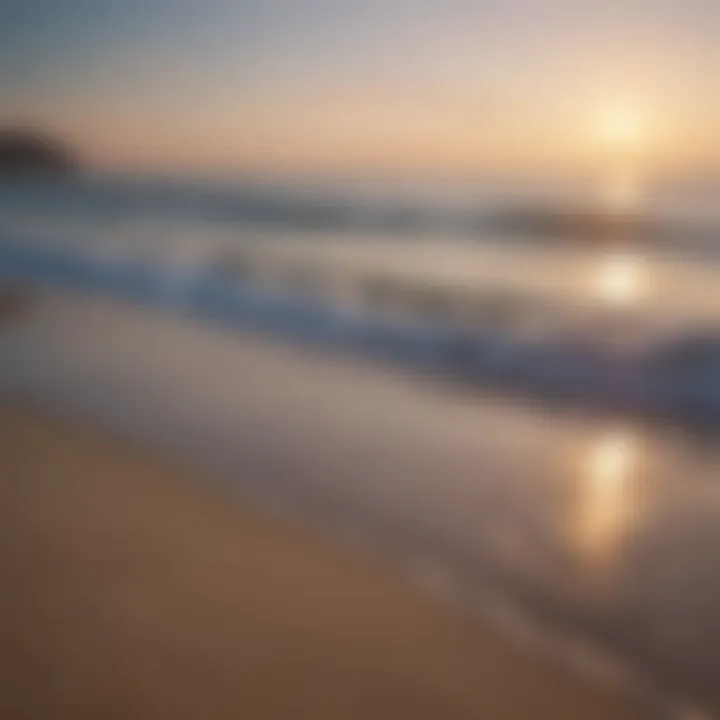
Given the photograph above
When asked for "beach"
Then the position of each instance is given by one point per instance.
(359, 361)
(140, 591)
(596, 574)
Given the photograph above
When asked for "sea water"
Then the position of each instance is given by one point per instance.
(424, 275)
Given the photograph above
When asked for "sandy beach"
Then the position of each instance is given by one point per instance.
(135, 591)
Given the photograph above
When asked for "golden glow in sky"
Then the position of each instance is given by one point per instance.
(412, 85)
(622, 128)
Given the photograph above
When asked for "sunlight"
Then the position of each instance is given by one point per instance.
(620, 280)
(607, 497)
(621, 137)
(621, 128)
(610, 462)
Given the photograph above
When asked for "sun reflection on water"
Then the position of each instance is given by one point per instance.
(607, 501)
(620, 280)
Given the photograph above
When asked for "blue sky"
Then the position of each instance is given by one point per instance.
(336, 83)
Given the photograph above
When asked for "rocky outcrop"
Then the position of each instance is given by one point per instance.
(28, 152)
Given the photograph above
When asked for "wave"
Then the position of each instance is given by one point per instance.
(486, 214)
(674, 377)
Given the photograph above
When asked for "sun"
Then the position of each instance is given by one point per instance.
(620, 127)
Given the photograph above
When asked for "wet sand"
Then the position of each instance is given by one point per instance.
(134, 590)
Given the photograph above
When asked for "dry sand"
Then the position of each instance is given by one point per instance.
(132, 590)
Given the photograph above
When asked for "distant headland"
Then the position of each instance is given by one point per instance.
(30, 153)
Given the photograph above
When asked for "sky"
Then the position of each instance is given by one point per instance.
(333, 86)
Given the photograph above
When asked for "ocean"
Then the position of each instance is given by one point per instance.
(514, 286)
